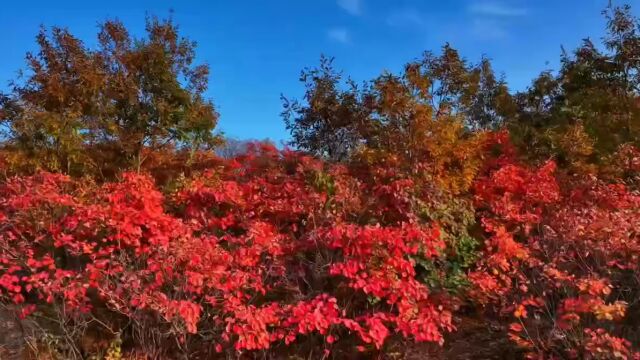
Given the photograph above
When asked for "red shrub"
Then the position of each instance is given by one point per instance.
(275, 249)
(264, 250)
(560, 259)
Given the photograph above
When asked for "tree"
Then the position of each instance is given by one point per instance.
(337, 120)
(79, 105)
(333, 121)
(454, 86)
(588, 109)
(427, 121)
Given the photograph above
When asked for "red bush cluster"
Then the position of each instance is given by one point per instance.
(268, 248)
(275, 248)
(562, 257)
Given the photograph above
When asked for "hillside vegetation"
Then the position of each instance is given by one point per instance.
(430, 213)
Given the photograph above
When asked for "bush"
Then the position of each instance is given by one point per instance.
(267, 250)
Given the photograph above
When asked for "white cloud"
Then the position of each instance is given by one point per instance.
(488, 29)
(496, 9)
(340, 35)
(405, 17)
(353, 7)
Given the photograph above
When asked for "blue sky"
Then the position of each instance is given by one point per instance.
(256, 48)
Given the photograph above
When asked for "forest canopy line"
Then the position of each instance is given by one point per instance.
(75, 105)
(430, 213)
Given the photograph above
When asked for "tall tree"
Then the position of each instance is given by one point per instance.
(590, 107)
(127, 96)
(426, 120)
(456, 87)
(337, 118)
(331, 121)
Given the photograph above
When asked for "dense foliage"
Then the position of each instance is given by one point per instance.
(81, 110)
(413, 204)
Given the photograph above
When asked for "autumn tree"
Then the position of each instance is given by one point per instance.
(339, 118)
(79, 107)
(331, 121)
(429, 137)
(453, 86)
(429, 119)
(589, 108)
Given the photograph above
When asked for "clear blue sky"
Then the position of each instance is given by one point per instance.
(256, 48)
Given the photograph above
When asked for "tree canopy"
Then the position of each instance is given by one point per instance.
(78, 107)
(579, 115)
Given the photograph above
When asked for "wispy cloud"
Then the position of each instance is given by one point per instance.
(488, 29)
(491, 19)
(405, 18)
(353, 7)
(496, 9)
(339, 34)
